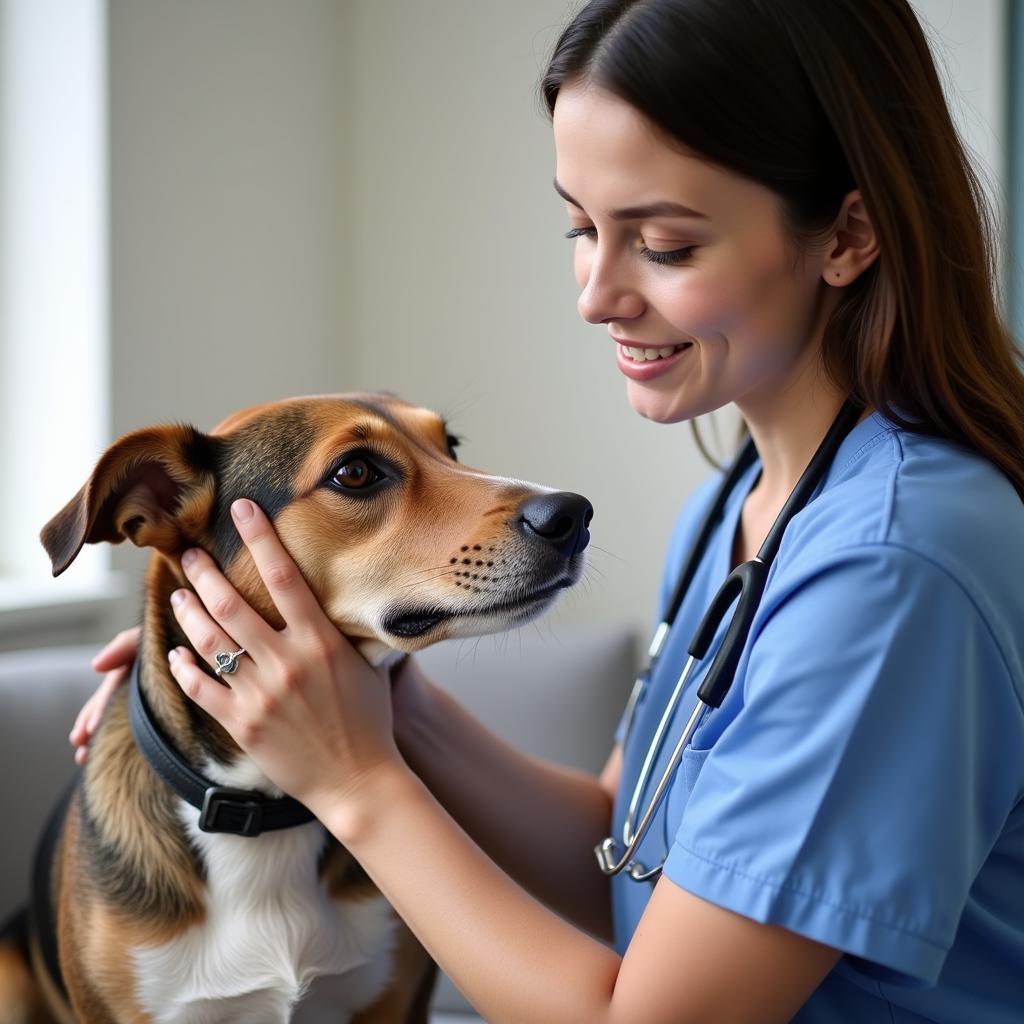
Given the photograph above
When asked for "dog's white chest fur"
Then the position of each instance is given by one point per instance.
(270, 931)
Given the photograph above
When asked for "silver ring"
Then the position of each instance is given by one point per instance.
(227, 662)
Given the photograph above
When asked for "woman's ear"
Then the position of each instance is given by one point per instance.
(855, 245)
(155, 487)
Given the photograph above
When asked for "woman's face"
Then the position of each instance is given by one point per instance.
(748, 322)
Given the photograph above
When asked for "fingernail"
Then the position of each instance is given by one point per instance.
(189, 557)
(177, 597)
(172, 654)
(243, 510)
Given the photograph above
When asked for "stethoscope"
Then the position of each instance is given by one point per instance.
(744, 586)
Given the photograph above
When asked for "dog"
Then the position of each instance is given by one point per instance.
(246, 909)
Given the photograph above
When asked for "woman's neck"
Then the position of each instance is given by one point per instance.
(787, 440)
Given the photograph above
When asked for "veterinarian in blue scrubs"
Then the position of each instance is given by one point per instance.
(772, 210)
(861, 782)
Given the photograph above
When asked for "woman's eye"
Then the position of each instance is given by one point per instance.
(667, 257)
(670, 257)
(356, 474)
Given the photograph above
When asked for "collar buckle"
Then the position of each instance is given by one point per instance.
(232, 811)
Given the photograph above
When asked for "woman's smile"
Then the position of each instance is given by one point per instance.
(643, 363)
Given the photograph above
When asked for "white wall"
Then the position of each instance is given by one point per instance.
(969, 39)
(318, 195)
(228, 176)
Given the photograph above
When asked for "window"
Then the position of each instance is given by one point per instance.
(53, 283)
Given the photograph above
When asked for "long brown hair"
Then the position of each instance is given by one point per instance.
(813, 100)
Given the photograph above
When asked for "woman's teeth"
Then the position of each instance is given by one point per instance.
(646, 355)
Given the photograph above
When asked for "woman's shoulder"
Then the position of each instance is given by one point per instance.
(904, 498)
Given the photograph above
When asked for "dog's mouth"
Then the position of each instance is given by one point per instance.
(417, 621)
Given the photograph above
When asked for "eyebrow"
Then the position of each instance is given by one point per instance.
(663, 208)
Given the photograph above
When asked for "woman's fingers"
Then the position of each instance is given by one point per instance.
(120, 651)
(92, 711)
(199, 687)
(203, 630)
(288, 589)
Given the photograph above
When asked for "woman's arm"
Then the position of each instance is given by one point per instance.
(538, 820)
(689, 960)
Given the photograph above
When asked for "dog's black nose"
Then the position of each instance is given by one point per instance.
(560, 519)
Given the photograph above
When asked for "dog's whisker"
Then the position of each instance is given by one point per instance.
(420, 583)
(459, 404)
(432, 568)
(607, 552)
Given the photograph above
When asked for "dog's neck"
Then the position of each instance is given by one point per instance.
(193, 732)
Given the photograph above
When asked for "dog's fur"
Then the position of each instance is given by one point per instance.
(159, 921)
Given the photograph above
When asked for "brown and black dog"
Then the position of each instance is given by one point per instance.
(160, 915)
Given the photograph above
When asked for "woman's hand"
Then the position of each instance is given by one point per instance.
(116, 660)
(303, 703)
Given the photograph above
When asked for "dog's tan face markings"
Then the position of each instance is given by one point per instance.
(432, 533)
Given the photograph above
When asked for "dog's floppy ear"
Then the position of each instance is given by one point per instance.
(154, 486)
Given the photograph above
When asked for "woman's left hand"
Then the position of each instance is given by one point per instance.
(303, 703)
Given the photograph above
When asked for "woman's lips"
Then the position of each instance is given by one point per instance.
(651, 368)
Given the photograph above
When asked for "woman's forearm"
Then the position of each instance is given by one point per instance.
(538, 821)
(514, 959)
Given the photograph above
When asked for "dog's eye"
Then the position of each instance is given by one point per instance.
(356, 474)
(453, 442)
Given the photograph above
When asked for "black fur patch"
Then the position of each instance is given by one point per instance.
(260, 462)
(379, 410)
(14, 931)
(201, 450)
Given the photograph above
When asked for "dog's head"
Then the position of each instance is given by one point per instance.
(402, 544)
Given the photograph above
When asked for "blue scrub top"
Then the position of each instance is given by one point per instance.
(863, 782)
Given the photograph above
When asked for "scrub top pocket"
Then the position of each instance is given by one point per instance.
(693, 761)
(679, 792)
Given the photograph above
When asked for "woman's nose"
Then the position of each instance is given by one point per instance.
(607, 293)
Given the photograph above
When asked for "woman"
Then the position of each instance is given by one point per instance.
(771, 207)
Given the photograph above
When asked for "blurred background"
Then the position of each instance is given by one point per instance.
(205, 204)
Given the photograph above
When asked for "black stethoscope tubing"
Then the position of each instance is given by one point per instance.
(743, 587)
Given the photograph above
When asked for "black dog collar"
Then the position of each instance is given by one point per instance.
(241, 812)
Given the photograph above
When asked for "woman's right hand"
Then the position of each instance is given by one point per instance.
(116, 660)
